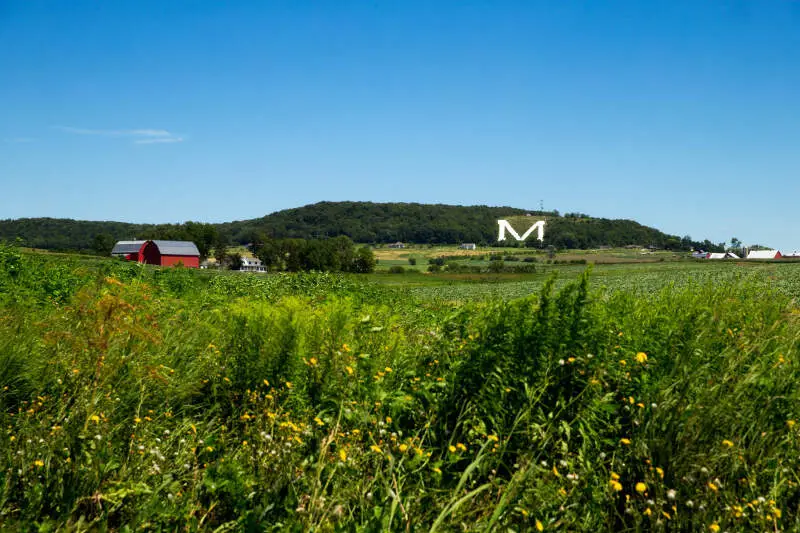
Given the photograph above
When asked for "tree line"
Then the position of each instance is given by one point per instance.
(363, 222)
(337, 254)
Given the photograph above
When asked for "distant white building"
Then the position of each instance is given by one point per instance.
(722, 255)
(468, 246)
(252, 264)
(397, 244)
(795, 253)
(764, 254)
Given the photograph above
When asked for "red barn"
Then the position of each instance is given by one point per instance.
(163, 253)
(127, 250)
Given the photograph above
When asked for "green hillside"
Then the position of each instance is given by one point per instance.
(365, 222)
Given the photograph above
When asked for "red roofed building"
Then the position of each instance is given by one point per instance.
(157, 252)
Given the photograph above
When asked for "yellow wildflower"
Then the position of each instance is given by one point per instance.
(349, 370)
(641, 487)
(209, 449)
(375, 448)
(790, 423)
(641, 357)
(539, 526)
(492, 438)
(39, 463)
(319, 421)
(313, 361)
(461, 447)
(387, 369)
(403, 448)
(727, 443)
(714, 528)
(452, 448)
(288, 384)
(94, 418)
(648, 512)
(555, 471)
(388, 419)
(615, 485)
(712, 486)
(625, 441)
(437, 469)
(343, 455)
(614, 475)
(623, 362)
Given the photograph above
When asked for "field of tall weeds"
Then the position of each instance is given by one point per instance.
(134, 398)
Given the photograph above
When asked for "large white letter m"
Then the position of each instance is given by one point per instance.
(504, 225)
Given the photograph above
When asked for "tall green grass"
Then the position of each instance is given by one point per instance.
(152, 399)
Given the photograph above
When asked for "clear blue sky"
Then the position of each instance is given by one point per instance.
(681, 114)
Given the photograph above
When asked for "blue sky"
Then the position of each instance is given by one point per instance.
(682, 115)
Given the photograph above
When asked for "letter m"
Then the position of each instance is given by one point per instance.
(504, 225)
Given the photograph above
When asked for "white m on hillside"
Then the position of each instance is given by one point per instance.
(505, 226)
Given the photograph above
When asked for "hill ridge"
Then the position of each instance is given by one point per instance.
(367, 222)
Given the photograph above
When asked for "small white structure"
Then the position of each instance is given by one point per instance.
(252, 264)
(795, 253)
(764, 254)
(397, 244)
(722, 255)
(468, 246)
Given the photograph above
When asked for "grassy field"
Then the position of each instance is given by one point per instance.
(424, 253)
(635, 397)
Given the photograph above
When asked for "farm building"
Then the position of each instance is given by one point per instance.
(468, 246)
(722, 255)
(764, 254)
(397, 244)
(252, 264)
(163, 253)
(127, 250)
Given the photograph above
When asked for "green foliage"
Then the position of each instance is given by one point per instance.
(134, 397)
(363, 222)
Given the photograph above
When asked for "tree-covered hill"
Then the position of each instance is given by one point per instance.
(365, 222)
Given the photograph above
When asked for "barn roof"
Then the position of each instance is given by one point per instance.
(127, 247)
(177, 248)
(762, 254)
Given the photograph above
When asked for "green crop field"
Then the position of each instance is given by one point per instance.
(657, 396)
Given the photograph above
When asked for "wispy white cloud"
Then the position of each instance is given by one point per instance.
(18, 140)
(159, 140)
(139, 136)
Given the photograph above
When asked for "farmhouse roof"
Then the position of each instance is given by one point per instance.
(127, 247)
(177, 248)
